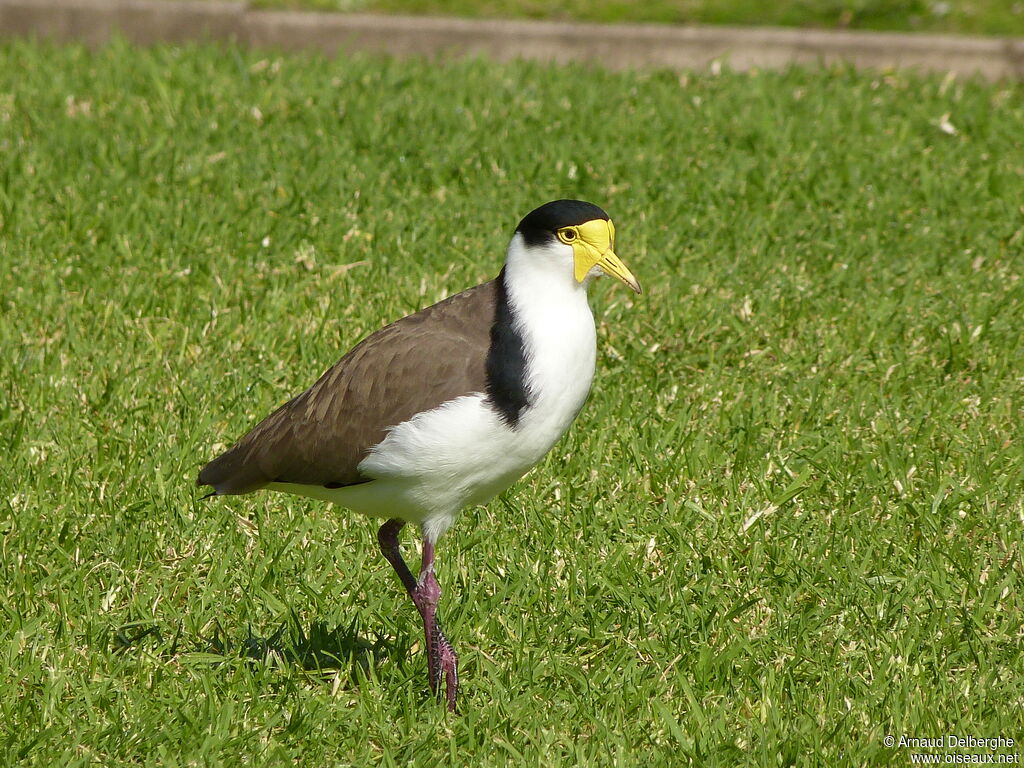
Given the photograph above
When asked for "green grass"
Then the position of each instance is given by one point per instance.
(787, 524)
(988, 17)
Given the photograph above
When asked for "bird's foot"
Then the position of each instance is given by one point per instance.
(444, 667)
(442, 661)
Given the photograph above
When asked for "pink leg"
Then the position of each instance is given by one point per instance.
(442, 661)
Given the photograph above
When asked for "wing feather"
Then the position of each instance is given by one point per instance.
(320, 436)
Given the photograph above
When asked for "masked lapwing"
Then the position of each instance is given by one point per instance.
(446, 407)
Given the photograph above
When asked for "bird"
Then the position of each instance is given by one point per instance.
(444, 408)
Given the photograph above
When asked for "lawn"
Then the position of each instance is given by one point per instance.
(787, 524)
(988, 17)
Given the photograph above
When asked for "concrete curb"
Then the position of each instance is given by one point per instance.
(620, 46)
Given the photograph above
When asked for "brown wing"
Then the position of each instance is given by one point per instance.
(412, 365)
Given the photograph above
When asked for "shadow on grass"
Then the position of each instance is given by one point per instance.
(316, 648)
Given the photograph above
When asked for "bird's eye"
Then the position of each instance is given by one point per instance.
(567, 235)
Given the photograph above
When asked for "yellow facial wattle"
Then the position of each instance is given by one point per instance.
(592, 245)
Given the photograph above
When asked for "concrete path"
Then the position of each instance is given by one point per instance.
(617, 46)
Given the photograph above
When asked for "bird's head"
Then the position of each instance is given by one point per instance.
(575, 234)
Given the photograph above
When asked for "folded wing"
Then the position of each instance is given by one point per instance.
(320, 436)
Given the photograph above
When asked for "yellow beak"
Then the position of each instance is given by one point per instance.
(593, 247)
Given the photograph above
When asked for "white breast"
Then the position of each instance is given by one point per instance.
(561, 347)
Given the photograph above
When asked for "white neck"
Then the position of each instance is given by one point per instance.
(543, 274)
(557, 326)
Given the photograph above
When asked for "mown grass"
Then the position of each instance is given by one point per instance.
(787, 524)
(989, 17)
